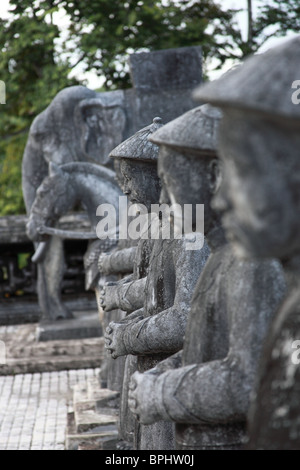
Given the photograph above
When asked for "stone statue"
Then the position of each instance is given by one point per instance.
(138, 167)
(78, 125)
(135, 161)
(205, 389)
(112, 267)
(260, 200)
(141, 184)
(84, 183)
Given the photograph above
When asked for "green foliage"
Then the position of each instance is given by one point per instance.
(23, 260)
(275, 19)
(107, 31)
(11, 151)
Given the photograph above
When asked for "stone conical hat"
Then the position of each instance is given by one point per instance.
(263, 83)
(194, 130)
(138, 147)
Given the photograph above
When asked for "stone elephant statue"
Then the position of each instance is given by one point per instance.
(79, 125)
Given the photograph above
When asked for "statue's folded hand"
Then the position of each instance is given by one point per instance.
(108, 297)
(114, 343)
(142, 399)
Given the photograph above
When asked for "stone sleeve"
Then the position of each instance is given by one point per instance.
(172, 362)
(131, 295)
(118, 262)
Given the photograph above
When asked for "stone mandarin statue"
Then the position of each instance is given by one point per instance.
(260, 200)
(205, 390)
(139, 181)
(113, 266)
(136, 162)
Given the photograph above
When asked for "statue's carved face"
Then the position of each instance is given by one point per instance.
(258, 197)
(188, 179)
(140, 182)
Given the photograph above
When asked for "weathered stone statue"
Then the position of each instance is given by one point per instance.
(159, 329)
(136, 159)
(77, 126)
(138, 166)
(112, 267)
(260, 199)
(205, 390)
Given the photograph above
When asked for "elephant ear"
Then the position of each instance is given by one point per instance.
(54, 169)
(102, 121)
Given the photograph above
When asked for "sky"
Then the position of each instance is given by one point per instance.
(95, 82)
(4, 5)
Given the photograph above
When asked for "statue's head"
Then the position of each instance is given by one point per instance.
(259, 141)
(188, 164)
(80, 125)
(137, 159)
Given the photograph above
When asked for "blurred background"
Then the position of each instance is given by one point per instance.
(47, 45)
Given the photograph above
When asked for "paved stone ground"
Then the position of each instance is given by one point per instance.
(34, 407)
(36, 381)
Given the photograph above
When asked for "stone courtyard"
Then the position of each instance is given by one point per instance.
(36, 386)
(34, 408)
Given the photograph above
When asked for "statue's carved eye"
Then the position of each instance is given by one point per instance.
(40, 136)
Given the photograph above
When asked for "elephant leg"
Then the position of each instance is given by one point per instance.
(50, 275)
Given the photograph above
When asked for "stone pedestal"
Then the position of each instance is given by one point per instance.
(84, 325)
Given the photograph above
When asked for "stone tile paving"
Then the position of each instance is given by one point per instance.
(34, 407)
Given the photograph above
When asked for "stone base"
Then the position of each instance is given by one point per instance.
(93, 424)
(102, 438)
(17, 311)
(83, 325)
